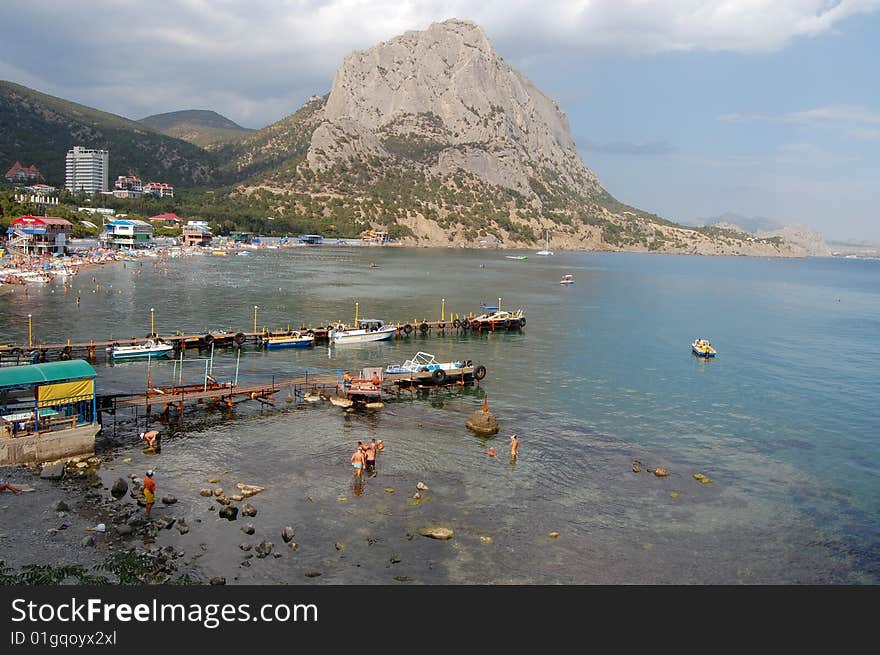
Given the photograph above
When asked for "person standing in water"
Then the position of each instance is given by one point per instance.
(371, 455)
(514, 446)
(149, 490)
(357, 461)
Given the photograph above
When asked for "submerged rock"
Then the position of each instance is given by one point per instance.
(661, 472)
(206, 492)
(553, 535)
(483, 422)
(264, 549)
(287, 534)
(169, 500)
(247, 528)
(228, 512)
(702, 478)
(214, 480)
(422, 486)
(437, 532)
(249, 510)
(217, 580)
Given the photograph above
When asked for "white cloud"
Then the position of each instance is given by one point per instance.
(259, 60)
(856, 121)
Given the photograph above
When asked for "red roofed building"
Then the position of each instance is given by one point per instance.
(39, 234)
(19, 173)
(167, 219)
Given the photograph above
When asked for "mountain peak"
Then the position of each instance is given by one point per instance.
(445, 90)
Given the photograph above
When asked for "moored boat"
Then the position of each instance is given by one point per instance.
(702, 348)
(292, 340)
(365, 331)
(150, 348)
(498, 320)
(424, 368)
(567, 279)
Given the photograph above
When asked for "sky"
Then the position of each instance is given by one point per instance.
(685, 108)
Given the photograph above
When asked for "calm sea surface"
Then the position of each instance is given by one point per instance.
(785, 420)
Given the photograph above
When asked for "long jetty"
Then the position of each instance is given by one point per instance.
(182, 341)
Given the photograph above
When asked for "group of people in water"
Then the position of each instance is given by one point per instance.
(364, 458)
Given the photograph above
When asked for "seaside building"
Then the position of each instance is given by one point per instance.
(38, 235)
(197, 233)
(159, 190)
(103, 211)
(87, 170)
(127, 232)
(167, 219)
(375, 236)
(18, 174)
(47, 412)
(128, 187)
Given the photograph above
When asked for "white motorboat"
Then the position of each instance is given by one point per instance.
(366, 330)
(150, 348)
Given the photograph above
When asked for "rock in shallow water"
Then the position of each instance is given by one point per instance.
(119, 488)
(437, 532)
(247, 528)
(287, 534)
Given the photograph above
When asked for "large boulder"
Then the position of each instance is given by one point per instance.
(229, 512)
(53, 471)
(119, 488)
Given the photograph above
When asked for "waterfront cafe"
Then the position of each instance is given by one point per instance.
(47, 412)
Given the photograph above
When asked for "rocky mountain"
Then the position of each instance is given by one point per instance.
(40, 128)
(433, 136)
(806, 242)
(202, 127)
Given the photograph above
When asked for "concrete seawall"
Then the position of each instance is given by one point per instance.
(48, 446)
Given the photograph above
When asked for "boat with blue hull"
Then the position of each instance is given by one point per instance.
(293, 340)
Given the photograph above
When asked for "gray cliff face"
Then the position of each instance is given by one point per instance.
(444, 97)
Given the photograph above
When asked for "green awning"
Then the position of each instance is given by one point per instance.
(19, 376)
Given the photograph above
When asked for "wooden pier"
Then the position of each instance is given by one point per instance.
(93, 349)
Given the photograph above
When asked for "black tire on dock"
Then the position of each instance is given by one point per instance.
(439, 376)
(65, 353)
(456, 323)
(407, 329)
(441, 326)
(480, 372)
(240, 338)
(423, 328)
(15, 352)
(475, 325)
(522, 322)
(209, 339)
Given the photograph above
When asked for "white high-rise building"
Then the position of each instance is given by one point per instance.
(87, 170)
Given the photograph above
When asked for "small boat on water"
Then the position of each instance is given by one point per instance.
(424, 368)
(292, 340)
(496, 319)
(702, 348)
(151, 348)
(567, 279)
(365, 331)
(516, 256)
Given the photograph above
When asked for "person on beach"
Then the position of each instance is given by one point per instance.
(151, 438)
(514, 446)
(5, 486)
(357, 461)
(371, 455)
(149, 490)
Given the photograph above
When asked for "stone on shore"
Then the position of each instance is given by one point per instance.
(437, 532)
(249, 510)
(61, 506)
(52, 471)
(206, 492)
(287, 534)
(87, 541)
(217, 580)
(245, 546)
(218, 491)
(247, 528)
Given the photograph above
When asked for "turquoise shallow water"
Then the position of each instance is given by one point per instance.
(784, 420)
